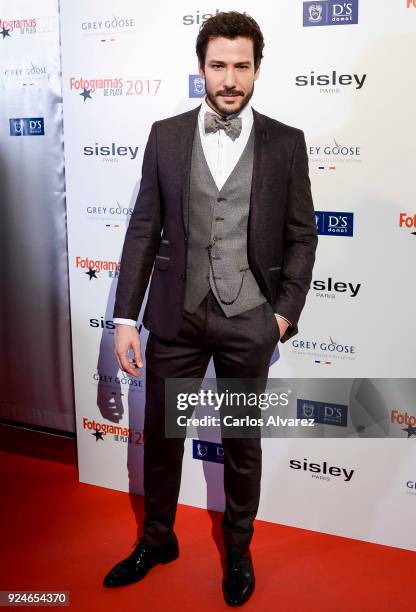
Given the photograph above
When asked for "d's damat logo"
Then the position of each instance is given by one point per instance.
(334, 223)
(196, 86)
(323, 412)
(329, 12)
(207, 451)
(27, 126)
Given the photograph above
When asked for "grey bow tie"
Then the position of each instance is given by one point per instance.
(213, 123)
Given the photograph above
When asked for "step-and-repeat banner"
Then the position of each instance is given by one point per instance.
(342, 72)
(35, 354)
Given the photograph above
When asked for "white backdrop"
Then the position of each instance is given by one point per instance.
(126, 65)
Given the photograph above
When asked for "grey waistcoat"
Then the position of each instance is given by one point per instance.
(219, 218)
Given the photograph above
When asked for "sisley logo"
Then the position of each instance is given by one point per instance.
(110, 152)
(197, 19)
(327, 288)
(330, 81)
(320, 470)
(329, 12)
(102, 323)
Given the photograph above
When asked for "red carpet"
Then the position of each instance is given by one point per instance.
(58, 534)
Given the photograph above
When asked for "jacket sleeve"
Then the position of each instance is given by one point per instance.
(300, 241)
(142, 238)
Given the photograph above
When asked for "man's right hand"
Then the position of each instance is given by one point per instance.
(127, 337)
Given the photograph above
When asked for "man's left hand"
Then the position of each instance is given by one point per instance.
(282, 323)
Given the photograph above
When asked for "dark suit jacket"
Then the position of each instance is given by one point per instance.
(281, 238)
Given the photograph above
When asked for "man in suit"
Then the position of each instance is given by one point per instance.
(225, 218)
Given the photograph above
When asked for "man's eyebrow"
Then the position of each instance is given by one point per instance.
(246, 62)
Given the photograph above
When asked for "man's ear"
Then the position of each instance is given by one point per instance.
(201, 71)
(256, 74)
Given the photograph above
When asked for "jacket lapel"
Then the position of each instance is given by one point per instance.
(185, 144)
(259, 162)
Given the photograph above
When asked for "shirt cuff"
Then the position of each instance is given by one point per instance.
(279, 315)
(125, 322)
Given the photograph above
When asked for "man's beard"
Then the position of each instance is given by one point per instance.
(223, 110)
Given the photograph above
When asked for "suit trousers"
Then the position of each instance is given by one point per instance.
(241, 347)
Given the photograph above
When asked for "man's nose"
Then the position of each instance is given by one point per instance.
(229, 78)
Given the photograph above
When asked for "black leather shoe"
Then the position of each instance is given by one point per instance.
(142, 559)
(239, 580)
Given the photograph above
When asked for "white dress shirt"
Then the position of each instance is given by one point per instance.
(221, 153)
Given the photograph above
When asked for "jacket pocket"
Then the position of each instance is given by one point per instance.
(275, 272)
(161, 262)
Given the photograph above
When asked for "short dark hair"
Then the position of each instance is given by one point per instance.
(230, 25)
